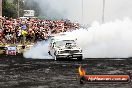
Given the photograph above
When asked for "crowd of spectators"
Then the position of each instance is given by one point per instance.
(24, 30)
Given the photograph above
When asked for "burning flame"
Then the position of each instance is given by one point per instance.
(81, 71)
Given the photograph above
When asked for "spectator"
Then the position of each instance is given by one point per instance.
(31, 30)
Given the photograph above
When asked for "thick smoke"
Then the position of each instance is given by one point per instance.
(112, 39)
(38, 51)
(92, 9)
(109, 40)
(59, 9)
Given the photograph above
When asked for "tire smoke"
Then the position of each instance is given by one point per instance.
(108, 40)
(38, 51)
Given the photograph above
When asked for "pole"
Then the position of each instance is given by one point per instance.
(0, 7)
(82, 11)
(18, 8)
(103, 12)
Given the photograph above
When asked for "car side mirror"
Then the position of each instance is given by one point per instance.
(53, 44)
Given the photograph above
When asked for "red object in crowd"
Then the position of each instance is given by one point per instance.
(10, 52)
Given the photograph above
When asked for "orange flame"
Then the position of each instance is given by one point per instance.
(81, 71)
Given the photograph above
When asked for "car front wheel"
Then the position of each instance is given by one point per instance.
(56, 58)
(79, 58)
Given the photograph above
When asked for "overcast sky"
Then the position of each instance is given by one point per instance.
(114, 9)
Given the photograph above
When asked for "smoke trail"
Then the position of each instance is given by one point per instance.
(38, 51)
(59, 9)
(112, 39)
(109, 40)
(92, 9)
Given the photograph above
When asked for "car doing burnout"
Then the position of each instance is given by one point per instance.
(64, 48)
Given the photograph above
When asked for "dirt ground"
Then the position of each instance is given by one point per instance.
(18, 72)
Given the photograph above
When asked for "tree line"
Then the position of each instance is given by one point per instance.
(10, 9)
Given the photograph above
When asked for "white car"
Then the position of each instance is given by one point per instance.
(64, 48)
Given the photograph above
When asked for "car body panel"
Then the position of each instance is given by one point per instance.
(64, 47)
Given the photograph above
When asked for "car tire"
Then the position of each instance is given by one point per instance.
(79, 58)
(56, 59)
(49, 53)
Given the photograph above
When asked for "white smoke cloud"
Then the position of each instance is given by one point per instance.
(38, 51)
(109, 40)
(112, 39)
(92, 9)
(59, 9)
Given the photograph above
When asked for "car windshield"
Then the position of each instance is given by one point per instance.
(65, 42)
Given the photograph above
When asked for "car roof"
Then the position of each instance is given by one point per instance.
(63, 38)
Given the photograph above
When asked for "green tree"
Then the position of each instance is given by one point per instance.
(27, 5)
(21, 6)
(32, 5)
(8, 9)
